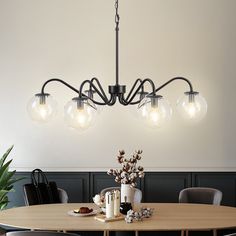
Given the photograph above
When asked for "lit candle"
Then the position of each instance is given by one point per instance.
(116, 202)
(109, 204)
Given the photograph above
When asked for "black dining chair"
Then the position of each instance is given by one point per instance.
(63, 197)
(200, 195)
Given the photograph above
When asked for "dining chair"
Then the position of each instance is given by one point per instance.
(39, 233)
(200, 195)
(63, 196)
(137, 193)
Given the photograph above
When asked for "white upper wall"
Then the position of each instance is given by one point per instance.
(74, 40)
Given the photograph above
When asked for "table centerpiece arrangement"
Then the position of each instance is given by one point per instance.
(128, 174)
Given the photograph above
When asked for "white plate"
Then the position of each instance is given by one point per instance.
(72, 213)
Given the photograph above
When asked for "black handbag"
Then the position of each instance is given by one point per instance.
(40, 190)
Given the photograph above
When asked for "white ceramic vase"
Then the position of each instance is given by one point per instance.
(126, 193)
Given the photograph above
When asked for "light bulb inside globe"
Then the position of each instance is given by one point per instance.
(155, 110)
(192, 106)
(154, 115)
(42, 107)
(80, 113)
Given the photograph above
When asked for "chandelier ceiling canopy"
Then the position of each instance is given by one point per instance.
(81, 111)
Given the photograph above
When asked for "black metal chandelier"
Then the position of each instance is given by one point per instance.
(151, 106)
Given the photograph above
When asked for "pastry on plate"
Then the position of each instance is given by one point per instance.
(83, 210)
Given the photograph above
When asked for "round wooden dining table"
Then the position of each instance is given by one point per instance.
(166, 217)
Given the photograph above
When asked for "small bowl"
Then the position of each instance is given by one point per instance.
(125, 207)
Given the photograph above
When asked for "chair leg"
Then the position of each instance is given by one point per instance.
(214, 232)
(105, 233)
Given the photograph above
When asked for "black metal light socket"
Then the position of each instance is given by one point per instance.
(154, 100)
(90, 93)
(191, 96)
(42, 97)
(142, 95)
(80, 102)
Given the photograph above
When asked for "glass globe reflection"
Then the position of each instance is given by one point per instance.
(192, 106)
(155, 110)
(42, 108)
(80, 113)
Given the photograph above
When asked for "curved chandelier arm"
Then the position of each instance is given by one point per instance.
(133, 87)
(96, 90)
(173, 79)
(112, 101)
(126, 101)
(109, 102)
(99, 85)
(123, 102)
(60, 81)
(101, 94)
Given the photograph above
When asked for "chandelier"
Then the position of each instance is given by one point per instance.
(81, 111)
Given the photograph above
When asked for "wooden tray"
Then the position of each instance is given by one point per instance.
(103, 218)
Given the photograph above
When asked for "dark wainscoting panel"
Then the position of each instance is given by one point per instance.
(226, 182)
(99, 181)
(75, 184)
(16, 198)
(164, 187)
(156, 186)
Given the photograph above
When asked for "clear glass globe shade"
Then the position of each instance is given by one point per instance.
(91, 95)
(155, 116)
(80, 118)
(42, 108)
(134, 108)
(192, 109)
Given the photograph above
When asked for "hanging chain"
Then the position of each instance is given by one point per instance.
(117, 17)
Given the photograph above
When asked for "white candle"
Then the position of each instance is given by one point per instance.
(116, 202)
(109, 204)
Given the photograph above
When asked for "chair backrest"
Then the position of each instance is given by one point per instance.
(39, 233)
(200, 195)
(63, 196)
(137, 193)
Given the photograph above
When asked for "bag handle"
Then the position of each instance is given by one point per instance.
(40, 173)
(44, 180)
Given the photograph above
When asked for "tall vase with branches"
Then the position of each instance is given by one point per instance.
(128, 174)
